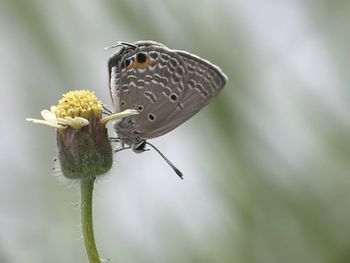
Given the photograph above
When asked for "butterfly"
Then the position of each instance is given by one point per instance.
(166, 87)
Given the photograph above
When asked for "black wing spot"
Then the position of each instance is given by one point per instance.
(173, 97)
(151, 117)
(141, 57)
(140, 108)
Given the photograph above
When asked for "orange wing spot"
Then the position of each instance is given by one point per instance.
(140, 65)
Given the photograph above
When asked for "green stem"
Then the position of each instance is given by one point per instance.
(87, 187)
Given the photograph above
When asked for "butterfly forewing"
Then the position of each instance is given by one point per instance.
(151, 89)
(204, 82)
(167, 87)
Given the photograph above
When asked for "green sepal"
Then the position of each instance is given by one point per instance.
(86, 152)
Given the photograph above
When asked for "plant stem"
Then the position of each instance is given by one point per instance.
(87, 187)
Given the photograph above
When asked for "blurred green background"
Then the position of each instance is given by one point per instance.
(266, 165)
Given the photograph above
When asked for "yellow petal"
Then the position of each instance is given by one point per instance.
(118, 115)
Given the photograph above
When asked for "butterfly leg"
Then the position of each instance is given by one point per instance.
(114, 139)
(122, 149)
(122, 144)
(106, 111)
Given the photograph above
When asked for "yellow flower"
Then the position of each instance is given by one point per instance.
(82, 138)
(75, 109)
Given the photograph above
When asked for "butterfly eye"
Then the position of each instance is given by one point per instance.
(128, 62)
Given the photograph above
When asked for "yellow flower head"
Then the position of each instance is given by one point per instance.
(80, 103)
(84, 148)
(76, 109)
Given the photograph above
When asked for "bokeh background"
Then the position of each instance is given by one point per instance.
(266, 164)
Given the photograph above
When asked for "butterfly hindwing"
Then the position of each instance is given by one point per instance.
(166, 86)
(204, 82)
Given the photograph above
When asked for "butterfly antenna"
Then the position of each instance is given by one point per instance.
(177, 171)
(120, 44)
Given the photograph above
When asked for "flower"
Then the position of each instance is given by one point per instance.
(74, 110)
(83, 145)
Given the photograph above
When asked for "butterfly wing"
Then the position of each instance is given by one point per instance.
(204, 81)
(167, 87)
(151, 87)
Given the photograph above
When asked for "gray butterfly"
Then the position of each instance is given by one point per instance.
(166, 87)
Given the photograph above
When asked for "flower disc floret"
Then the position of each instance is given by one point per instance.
(79, 103)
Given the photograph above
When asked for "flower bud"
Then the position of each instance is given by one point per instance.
(86, 152)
